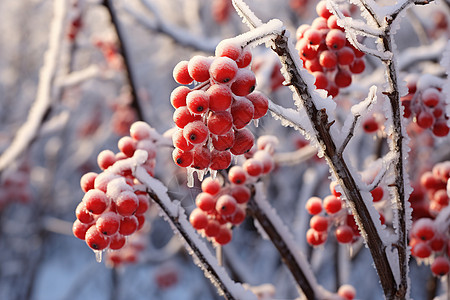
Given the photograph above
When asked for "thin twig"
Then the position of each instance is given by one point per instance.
(135, 102)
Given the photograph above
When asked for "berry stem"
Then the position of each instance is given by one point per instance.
(135, 103)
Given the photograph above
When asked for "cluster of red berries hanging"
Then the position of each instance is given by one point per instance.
(212, 117)
(222, 203)
(331, 213)
(130, 252)
(435, 184)
(326, 53)
(113, 207)
(425, 104)
(430, 242)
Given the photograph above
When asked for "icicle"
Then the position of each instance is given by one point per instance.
(190, 176)
(213, 174)
(98, 255)
(256, 122)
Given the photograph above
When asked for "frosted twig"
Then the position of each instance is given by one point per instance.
(135, 102)
(282, 239)
(287, 116)
(411, 56)
(248, 17)
(78, 77)
(176, 216)
(43, 102)
(356, 114)
(296, 157)
(179, 35)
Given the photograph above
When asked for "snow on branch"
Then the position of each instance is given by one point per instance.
(29, 130)
(176, 216)
(180, 35)
(260, 209)
(248, 17)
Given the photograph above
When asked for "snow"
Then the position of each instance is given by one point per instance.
(247, 16)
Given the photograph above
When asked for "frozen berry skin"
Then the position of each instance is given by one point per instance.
(237, 175)
(205, 201)
(219, 97)
(197, 102)
(242, 111)
(211, 186)
(180, 142)
(223, 69)
(108, 223)
(226, 49)
(244, 84)
(201, 158)
(223, 142)
(260, 104)
(195, 132)
(198, 219)
(95, 201)
(220, 160)
(198, 68)
(181, 73)
(219, 122)
(126, 203)
(182, 158)
(79, 229)
(87, 181)
(243, 141)
(178, 96)
(105, 159)
(95, 239)
(83, 215)
(182, 116)
(128, 225)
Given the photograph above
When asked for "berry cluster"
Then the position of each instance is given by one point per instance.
(211, 117)
(326, 52)
(113, 207)
(431, 242)
(129, 253)
(222, 205)
(331, 212)
(426, 105)
(435, 184)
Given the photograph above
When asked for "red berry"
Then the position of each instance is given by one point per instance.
(319, 23)
(87, 181)
(344, 234)
(266, 159)
(319, 223)
(79, 229)
(370, 125)
(108, 223)
(424, 119)
(241, 193)
(238, 217)
(332, 204)
(224, 236)
(335, 39)
(242, 111)
(333, 185)
(245, 59)
(198, 219)
(181, 158)
(423, 229)
(105, 159)
(127, 145)
(440, 266)
(322, 10)
(181, 73)
(346, 56)
(219, 122)
(244, 83)
(178, 96)
(196, 132)
(343, 78)
(180, 142)
(182, 116)
(377, 193)
(141, 131)
(226, 205)
(358, 65)
(440, 128)
(198, 68)
(212, 229)
(253, 167)
(205, 202)
(211, 186)
(83, 215)
(315, 238)
(313, 36)
(128, 225)
(260, 104)
(223, 69)
(223, 142)
(220, 160)
(126, 203)
(328, 59)
(306, 51)
(233, 51)
(237, 175)
(96, 201)
(201, 158)
(421, 250)
(243, 141)
(117, 242)
(347, 292)
(219, 97)
(321, 80)
(143, 204)
(332, 22)
(95, 239)
(314, 205)
(197, 102)
(431, 97)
